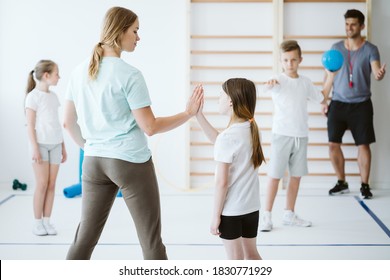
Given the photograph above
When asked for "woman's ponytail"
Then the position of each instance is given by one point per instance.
(95, 61)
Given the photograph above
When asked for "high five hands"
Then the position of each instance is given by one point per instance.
(196, 101)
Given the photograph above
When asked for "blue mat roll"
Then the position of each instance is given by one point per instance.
(73, 190)
(81, 164)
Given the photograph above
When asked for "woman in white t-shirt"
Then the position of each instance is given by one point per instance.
(46, 141)
(238, 153)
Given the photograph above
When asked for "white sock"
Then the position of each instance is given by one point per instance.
(38, 222)
(288, 213)
(267, 213)
(46, 220)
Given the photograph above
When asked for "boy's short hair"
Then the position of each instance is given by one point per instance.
(355, 14)
(290, 45)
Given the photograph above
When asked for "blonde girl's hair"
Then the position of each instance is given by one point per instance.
(242, 93)
(43, 66)
(116, 21)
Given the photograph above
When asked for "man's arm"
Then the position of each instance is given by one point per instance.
(378, 70)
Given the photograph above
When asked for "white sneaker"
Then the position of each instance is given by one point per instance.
(266, 221)
(291, 219)
(39, 230)
(50, 229)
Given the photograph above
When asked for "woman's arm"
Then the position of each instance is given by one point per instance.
(152, 125)
(221, 189)
(32, 135)
(70, 124)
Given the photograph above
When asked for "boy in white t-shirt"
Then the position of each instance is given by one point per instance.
(290, 92)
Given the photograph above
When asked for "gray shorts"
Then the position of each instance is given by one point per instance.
(288, 152)
(51, 153)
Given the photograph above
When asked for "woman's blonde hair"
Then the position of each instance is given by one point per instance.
(116, 21)
(242, 93)
(43, 66)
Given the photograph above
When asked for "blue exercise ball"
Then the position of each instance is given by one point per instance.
(332, 60)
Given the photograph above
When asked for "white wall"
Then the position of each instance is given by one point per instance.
(380, 174)
(65, 31)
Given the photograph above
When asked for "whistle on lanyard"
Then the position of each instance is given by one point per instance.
(350, 81)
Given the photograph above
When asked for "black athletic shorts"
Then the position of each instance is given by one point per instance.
(358, 117)
(233, 227)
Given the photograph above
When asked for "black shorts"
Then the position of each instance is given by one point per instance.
(233, 227)
(358, 117)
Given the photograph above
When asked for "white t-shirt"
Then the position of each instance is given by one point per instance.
(47, 124)
(290, 102)
(234, 146)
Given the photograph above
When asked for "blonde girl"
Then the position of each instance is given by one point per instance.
(46, 141)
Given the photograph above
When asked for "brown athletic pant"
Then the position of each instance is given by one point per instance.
(101, 179)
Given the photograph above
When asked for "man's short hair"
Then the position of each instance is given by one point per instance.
(355, 14)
